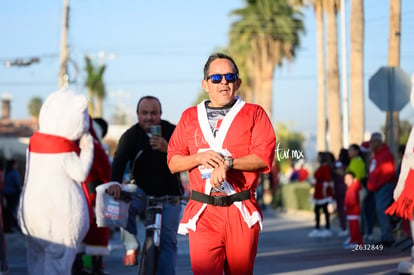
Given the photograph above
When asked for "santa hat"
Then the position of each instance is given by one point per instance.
(365, 148)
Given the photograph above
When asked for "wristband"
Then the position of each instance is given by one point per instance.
(230, 161)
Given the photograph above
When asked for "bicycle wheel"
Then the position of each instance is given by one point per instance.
(149, 258)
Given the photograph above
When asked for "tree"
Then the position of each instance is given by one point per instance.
(356, 121)
(394, 43)
(34, 106)
(405, 129)
(202, 95)
(96, 87)
(322, 119)
(334, 105)
(266, 34)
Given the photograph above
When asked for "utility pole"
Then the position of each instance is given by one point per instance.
(64, 50)
(345, 113)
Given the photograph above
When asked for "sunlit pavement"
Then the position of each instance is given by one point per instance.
(284, 248)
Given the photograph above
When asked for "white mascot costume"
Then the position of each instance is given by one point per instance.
(53, 213)
(403, 205)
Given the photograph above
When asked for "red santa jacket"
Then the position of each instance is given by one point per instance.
(323, 187)
(246, 129)
(352, 205)
(381, 169)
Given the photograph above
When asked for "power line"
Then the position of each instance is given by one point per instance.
(165, 81)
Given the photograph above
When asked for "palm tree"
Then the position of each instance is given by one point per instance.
(267, 32)
(334, 105)
(34, 106)
(321, 131)
(356, 125)
(239, 52)
(96, 87)
(394, 47)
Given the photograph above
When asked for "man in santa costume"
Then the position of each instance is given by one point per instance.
(224, 143)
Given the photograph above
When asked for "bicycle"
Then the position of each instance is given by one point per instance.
(153, 215)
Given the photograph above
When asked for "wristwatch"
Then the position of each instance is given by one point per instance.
(230, 161)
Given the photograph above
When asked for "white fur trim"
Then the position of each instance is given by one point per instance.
(322, 201)
(216, 143)
(406, 165)
(352, 217)
(192, 223)
(96, 250)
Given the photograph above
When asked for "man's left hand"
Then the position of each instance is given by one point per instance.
(218, 176)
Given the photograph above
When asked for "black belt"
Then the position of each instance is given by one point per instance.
(220, 200)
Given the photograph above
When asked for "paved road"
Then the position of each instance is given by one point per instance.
(284, 248)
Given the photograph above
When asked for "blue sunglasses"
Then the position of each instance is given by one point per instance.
(216, 78)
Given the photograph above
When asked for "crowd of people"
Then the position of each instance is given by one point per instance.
(360, 183)
(226, 145)
(206, 143)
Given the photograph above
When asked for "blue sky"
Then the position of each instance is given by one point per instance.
(161, 48)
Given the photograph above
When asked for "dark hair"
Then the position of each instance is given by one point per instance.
(350, 173)
(356, 148)
(344, 157)
(215, 56)
(376, 136)
(326, 157)
(151, 98)
(9, 164)
(103, 124)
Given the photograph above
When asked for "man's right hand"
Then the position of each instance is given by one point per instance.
(115, 191)
(210, 159)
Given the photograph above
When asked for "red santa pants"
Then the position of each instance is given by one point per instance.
(223, 241)
(354, 232)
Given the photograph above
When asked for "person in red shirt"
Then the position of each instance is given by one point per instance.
(381, 181)
(224, 143)
(353, 209)
(323, 194)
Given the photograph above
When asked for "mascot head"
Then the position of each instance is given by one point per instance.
(64, 113)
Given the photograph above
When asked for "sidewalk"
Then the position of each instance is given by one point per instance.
(284, 248)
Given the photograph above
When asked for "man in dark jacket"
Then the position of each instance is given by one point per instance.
(146, 154)
(381, 181)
